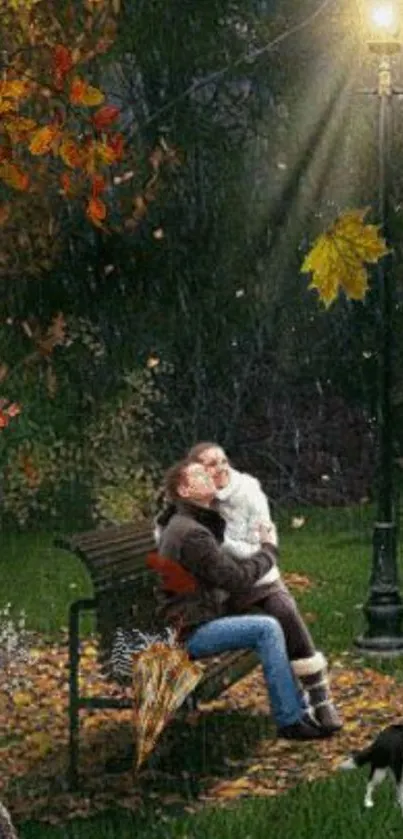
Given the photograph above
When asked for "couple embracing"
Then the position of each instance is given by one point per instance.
(228, 593)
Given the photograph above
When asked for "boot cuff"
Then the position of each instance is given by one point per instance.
(309, 666)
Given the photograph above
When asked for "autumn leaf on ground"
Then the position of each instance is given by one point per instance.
(299, 581)
(297, 522)
(338, 258)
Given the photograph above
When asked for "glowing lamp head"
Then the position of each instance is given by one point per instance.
(382, 26)
(384, 18)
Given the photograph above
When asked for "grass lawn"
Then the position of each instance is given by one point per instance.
(41, 580)
(334, 549)
(322, 810)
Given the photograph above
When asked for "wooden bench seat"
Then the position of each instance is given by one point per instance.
(124, 597)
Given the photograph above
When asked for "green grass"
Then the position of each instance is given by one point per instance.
(334, 549)
(320, 810)
(40, 579)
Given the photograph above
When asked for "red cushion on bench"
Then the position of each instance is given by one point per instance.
(175, 578)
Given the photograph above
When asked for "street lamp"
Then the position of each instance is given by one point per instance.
(384, 609)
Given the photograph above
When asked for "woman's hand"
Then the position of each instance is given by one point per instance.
(265, 535)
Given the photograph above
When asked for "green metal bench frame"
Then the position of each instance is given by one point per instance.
(123, 591)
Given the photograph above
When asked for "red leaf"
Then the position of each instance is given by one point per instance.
(62, 62)
(65, 183)
(115, 144)
(98, 185)
(105, 116)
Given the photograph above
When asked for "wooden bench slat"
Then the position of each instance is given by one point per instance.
(109, 535)
(100, 557)
(125, 559)
(115, 542)
(124, 576)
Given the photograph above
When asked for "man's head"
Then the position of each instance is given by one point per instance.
(189, 481)
(214, 460)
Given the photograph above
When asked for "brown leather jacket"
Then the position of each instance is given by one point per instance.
(189, 540)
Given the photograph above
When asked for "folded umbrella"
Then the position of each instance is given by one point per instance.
(163, 676)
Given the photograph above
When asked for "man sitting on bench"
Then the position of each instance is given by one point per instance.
(194, 600)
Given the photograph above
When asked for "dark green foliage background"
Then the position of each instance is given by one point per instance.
(271, 150)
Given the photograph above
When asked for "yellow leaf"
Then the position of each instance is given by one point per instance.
(6, 107)
(18, 127)
(81, 93)
(40, 742)
(337, 259)
(105, 153)
(43, 139)
(14, 89)
(21, 699)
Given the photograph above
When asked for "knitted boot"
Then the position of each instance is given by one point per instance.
(312, 673)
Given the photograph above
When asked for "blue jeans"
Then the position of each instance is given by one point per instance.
(263, 634)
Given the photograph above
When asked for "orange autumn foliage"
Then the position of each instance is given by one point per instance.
(71, 154)
(58, 134)
(82, 93)
(46, 75)
(96, 211)
(13, 176)
(43, 140)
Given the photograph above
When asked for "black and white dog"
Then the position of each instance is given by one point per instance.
(385, 756)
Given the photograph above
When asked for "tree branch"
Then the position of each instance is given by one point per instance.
(246, 58)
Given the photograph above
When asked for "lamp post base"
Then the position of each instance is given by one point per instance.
(384, 619)
(384, 609)
(381, 646)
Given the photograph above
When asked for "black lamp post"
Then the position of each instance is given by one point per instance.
(383, 609)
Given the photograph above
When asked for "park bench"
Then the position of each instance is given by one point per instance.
(123, 589)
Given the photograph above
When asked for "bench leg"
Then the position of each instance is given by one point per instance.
(74, 708)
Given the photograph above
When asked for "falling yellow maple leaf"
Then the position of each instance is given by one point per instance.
(338, 258)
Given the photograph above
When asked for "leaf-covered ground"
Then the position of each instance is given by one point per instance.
(225, 750)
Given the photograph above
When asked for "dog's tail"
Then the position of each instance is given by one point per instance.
(357, 759)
